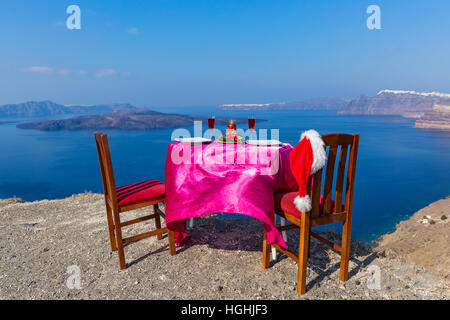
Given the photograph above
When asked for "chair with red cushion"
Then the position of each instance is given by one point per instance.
(126, 198)
(325, 210)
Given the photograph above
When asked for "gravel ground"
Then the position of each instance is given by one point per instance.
(41, 241)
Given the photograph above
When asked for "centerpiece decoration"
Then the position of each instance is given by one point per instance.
(231, 136)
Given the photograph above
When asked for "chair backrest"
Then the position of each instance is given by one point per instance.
(347, 146)
(104, 157)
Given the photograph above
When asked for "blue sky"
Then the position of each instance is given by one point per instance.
(205, 53)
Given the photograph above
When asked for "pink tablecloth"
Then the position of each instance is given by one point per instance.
(213, 178)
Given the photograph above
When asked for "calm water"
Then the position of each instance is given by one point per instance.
(400, 169)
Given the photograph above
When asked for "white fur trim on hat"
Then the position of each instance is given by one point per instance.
(318, 148)
(303, 204)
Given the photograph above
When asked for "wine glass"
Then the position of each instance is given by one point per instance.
(251, 123)
(211, 122)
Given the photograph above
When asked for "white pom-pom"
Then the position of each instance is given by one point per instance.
(303, 204)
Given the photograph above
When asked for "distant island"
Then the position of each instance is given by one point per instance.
(409, 104)
(48, 108)
(437, 118)
(124, 120)
(328, 103)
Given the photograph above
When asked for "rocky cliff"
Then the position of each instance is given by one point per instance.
(389, 102)
(438, 118)
(423, 239)
(409, 104)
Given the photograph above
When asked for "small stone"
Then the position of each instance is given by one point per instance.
(162, 277)
(444, 217)
(30, 225)
(381, 254)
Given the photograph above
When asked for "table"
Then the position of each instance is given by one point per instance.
(209, 178)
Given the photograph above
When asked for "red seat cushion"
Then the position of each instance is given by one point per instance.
(142, 191)
(285, 202)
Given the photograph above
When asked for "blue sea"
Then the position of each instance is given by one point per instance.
(400, 169)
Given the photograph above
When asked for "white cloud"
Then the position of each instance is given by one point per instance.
(102, 73)
(64, 72)
(133, 30)
(39, 69)
(105, 73)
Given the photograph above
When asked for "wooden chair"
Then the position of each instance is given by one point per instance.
(325, 210)
(130, 197)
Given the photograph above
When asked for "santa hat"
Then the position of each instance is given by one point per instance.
(307, 158)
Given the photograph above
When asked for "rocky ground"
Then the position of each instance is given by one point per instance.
(423, 240)
(41, 242)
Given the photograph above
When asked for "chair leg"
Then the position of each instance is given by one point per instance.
(303, 253)
(273, 249)
(157, 221)
(266, 252)
(345, 254)
(274, 253)
(112, 236)
(173, 249)
(283, 233)
(309, 243)
(191, 223)
(119, 240)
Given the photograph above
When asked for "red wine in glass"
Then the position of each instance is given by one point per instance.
(251, 123)
(211, 122)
